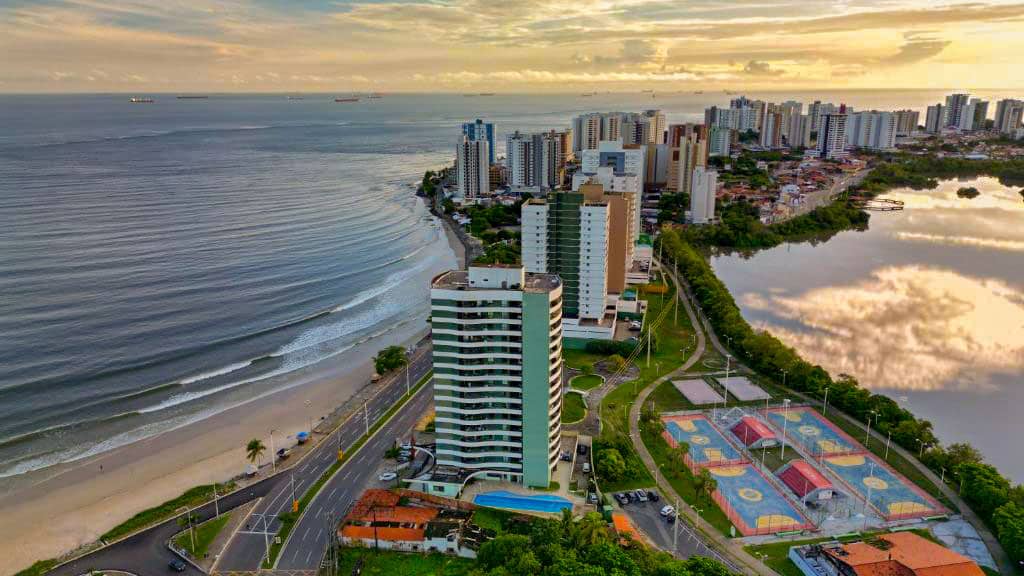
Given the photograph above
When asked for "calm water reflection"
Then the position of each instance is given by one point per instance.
(927, 305)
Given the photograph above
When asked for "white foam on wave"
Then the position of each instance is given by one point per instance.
(219, 372)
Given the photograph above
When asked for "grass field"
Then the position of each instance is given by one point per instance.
(386, 563)
(189, 499)
(588, 382)
(573, 408)
(578, 358)
(205, 534)
(492, 518)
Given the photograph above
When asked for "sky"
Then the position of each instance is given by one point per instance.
(507, 45)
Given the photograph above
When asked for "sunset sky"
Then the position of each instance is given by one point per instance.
(507, 45)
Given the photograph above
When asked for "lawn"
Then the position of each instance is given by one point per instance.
(492, 518)
(578, 358)
(189, 499)
(205, 534)
(667, 399)
(386, 563)
(773, 457)
(587, 382)
(573, 408)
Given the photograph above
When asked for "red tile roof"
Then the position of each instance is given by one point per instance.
(908, 555)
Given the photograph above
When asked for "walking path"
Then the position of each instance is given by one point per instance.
(1004, 562)
(744, 562)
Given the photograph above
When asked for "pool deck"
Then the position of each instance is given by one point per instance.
(579, 505)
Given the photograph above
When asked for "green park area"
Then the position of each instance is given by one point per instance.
(573, 408)
(586, 382)
(202, 536)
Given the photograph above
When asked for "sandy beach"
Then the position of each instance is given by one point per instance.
(53, 511)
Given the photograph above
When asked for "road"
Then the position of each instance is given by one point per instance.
(677, 538)
(248, 547)
(146, 553)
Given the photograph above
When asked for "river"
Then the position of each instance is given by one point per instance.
(926, 306)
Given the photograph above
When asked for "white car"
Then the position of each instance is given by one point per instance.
(387, 476)
(668, 511)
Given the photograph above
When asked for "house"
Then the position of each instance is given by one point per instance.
(895, 554)
(408, 521)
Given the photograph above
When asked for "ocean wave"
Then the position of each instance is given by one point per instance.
(218, 372)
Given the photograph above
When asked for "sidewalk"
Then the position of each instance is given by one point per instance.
(742, 561)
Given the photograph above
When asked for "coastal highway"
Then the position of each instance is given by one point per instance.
(146, 553)
(248, 546)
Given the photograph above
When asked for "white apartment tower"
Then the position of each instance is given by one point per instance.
(935, 119)
(871, 130)
(832, 136)
(497, 347)
(1009, 114)
(519, 160)
(955, 104)
(472, 166)
(702, 199)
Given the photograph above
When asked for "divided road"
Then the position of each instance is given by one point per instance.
(146, 553)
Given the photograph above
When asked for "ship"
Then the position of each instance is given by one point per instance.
(295, 98)
(351, 99)
(376, 95)
(487, 93)
(141, 100)
(192, 97)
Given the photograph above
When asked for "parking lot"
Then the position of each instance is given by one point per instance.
(646, 517)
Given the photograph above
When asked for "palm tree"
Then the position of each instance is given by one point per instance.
(254, 450)
(678, 460)
(705, 483)
(591, 530)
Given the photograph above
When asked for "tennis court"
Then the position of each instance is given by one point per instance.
(812, 432)
(889, 493)
(752, 504)
(698, 392)
(743, 389)
(707, 445)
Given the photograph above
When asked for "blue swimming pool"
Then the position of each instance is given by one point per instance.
(513, 501)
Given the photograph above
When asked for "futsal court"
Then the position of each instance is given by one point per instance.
(708, 447)
(890, 494)
(752, 504)
(812, 432)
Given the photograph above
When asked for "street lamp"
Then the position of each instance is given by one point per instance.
(785, 422)
(867, 431)
(273, 452)
(784, 372)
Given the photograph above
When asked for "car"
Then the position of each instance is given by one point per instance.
(177, 565)
(284, 453)
(621, 498)
(592, 498)
(652, 495)
(581, 449)
(586, 467)
(406, 446)
(641, 495)
(634, 325)
(387, 476)
(566, 456)
(668, 511)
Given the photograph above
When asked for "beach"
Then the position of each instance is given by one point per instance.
(51, 512)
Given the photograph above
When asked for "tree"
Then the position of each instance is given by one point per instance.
(617, 362)
(1009, 522)
(590, 530)
(587, 369)
(390, 359)
(678, 458)
(610, 464)
(254, 450)
(496, 552)
(705, 484)
(984, 488)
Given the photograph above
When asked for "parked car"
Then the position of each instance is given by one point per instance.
(284, 453)
(177, 565)
(387, 476)
(652, 495)
(668, 511)
(641, 495)
(566, 456)
(592, 497)
(586, 467)
(621, 498)
(581, 449)
(635, 325)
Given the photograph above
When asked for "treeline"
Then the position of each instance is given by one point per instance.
(925, 172)
(584, 547)
(991, 495)
(740, 226)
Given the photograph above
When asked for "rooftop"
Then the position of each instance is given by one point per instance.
(459, 280)
(903, 553)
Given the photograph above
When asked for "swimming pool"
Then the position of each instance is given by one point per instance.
(513, 501)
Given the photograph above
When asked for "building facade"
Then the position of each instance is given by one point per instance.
(497, 345)
(906, 122)
(702, 199)
(871, 130)
(1009, 113)
(935, 119)
(472, 169)
(481, 130)
(832, 136)
(955, 104)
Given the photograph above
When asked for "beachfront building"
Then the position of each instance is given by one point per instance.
(497, 345)
(832, 136)
(974, 115)
(955, 104)
(906, 122)
(535, 162)
(935, 119)
(587, 238)
(481, 130)
(472, 169)
(872, 130)
(1009, 115)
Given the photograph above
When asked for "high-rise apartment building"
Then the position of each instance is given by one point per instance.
(586, 131)
(817, 111)
(719, 141)
(906, 122)
(702, 198)
(771, 130)
(955, 104)
(935, 119)
(688, 148)
(472, 168)
(656, 120)
(520, 158)
(481, 130)
(1008, 116)
(872, 130)
(626, 163)
(535, 161)
(974, 115)
(800, 131)
(789, 109)
(832, 135)
(497, 347)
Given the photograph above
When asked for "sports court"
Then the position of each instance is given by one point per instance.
(743, 389)
(892, 495)
(698, 392)
(809, 430)
(707, 445)
(752, 504)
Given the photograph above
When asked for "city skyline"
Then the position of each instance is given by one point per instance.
(471, 45)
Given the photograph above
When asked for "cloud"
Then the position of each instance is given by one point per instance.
(632, 53)
(757, 68)
(918, 47)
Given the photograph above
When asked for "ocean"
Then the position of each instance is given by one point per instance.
(162, 262)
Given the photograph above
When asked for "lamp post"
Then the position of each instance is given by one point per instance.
(824, 407)
(888, 441)
(309, 417)
(785, 422)
(273, 452)
(784, 372)
(867, 430)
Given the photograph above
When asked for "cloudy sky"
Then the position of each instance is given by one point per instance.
(507, 45)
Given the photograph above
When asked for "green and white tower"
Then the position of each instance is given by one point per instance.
(497, 334)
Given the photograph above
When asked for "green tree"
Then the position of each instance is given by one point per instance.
(617, 362)
(587, 369)
(678, 458)
(705, 484)
(390, 359)
(1009, 522)
(254, 450)
(610, 464)
(590, 530)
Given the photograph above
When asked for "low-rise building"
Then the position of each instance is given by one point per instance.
(898, 554)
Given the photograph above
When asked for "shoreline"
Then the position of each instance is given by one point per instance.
(58, 510)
